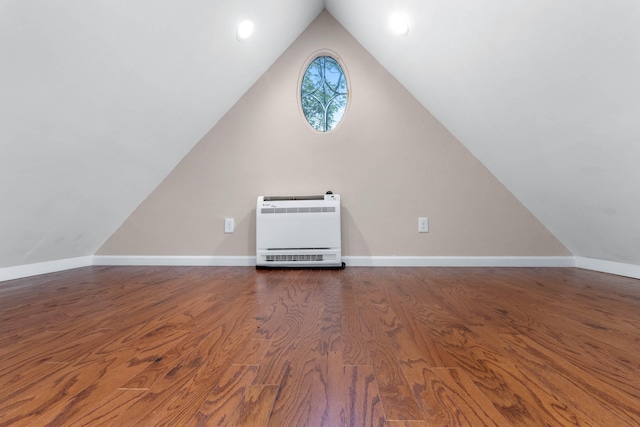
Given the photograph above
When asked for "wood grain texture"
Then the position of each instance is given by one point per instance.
(468, 406)
(385, 347)
(364, 407)
(221, 404)
(387, 340)
(354, 342)
(255, 408)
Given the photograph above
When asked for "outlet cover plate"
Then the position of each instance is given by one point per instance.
(229, 225)
(423, 224)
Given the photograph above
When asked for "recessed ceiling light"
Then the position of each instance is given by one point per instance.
(244, 30)
(399, 24)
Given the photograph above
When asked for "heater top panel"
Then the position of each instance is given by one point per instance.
(323, 197)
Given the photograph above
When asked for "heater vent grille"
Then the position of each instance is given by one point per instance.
(316, 209)
(294, 258)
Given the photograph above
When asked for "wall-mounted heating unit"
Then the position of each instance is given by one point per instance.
(298, 231)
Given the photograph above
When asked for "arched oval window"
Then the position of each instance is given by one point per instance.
(324, 93)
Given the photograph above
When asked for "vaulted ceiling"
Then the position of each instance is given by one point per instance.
(100, 100)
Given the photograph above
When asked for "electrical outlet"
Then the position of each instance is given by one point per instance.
(423, 224)
(228, 225)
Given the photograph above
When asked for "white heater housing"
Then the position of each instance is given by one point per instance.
(298, 231)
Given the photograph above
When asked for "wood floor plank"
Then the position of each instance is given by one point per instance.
(111, 379)
(430, 393)
(255, 408)
(293, 325)
(301, 367)
(467, 404)
(73, 389)
(477, 359)
(183, 403)
(605, 362)
(168, 395)
(405, 423)
(271, 309)
(596, 399)
(364, 407)
(107, 414)
(332, 344)
(220, 405)
(89, 334)
(253, 352)
(407, 297)
(527, 387)
(355, 350)
(385, 348)
(71, 378)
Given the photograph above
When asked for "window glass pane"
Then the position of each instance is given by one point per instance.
(324, 93)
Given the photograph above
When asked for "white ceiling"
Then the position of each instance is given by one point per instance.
(99, 100)
(545, 93)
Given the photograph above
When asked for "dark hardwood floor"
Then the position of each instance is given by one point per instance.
(195, 346)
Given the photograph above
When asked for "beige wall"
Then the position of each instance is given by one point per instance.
(390, 160)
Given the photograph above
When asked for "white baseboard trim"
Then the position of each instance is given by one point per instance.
(611, 267)
(459, 261)
(195, 261)
(355, 261)
(28, 270)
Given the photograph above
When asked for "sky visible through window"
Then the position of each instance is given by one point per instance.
(324, 93)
